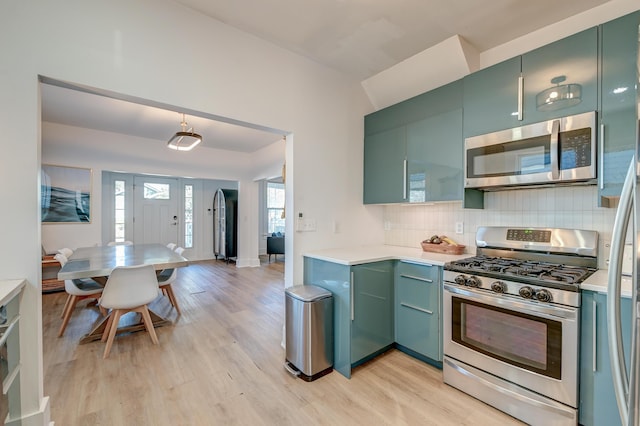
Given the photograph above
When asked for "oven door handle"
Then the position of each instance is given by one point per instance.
(554, 312)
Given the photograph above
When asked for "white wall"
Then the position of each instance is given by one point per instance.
(134, 48)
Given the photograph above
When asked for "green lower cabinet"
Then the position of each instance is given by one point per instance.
(372, 320)
(598, 406)
(417, 309)
(337, 279)
(362, 308)
(379, 304)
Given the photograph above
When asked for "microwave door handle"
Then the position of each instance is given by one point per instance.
(555, 164)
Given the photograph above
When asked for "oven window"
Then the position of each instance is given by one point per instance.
(523, 340)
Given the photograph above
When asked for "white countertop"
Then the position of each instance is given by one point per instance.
(9, 289)
(598, 282)
(364, 254)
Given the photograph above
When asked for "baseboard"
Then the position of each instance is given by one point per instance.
(248, 263)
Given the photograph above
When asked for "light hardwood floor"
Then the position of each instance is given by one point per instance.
(222, 363)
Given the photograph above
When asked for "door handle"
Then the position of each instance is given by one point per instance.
(555, 160)
(520, 97)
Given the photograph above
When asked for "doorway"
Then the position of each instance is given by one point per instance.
(156, 210)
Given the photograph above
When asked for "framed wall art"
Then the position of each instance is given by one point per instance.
(65, 194)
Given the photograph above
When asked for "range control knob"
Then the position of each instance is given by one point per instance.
(526, 292)
(498, 287)
(473, 282)
(543, 295)
(461, 280)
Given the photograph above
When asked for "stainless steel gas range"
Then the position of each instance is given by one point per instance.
(511, 318)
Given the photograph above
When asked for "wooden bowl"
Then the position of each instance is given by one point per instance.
(443, 248)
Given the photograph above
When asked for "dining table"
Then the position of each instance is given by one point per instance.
(97, 263)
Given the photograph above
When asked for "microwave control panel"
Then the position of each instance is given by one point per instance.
(575, 148)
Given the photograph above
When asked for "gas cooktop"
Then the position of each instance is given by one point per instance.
(526, 271)
(547, 257)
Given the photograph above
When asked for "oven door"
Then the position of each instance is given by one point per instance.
(531, 344)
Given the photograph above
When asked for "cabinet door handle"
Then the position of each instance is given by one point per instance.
(352, 284)
(601, 157)
(426, 311)
(520, 96)
(553, 146)
(428, 265)
(595, 336)
(404, 179)
(413, 277)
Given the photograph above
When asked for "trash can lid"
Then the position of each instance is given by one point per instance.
(308, 293)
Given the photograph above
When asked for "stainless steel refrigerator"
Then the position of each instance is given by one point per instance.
(225, 223)
(625, 371)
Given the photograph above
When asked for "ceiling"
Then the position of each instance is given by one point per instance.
(79, 108)
(364, 37)
(357, 37)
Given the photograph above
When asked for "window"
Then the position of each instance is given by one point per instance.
(188, 216)
(156, 191)
(275, 207)
(119, 189)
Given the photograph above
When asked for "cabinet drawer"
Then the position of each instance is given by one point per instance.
(418, 287)
(419, 271)
(417, 294)
(418, 331)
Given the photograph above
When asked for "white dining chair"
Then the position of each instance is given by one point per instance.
(67, 252)
(120, 243)
(165, 278)
(77, 290)
(129, 289)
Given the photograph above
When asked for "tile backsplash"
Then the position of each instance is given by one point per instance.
(558, 207)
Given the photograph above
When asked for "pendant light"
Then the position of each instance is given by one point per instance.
(559, 96)
(184, 140)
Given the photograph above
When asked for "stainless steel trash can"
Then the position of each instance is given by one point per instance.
(309, 331)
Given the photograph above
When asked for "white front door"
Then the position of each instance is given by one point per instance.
(156, 216)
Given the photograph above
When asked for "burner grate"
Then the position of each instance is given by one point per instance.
(533, 270)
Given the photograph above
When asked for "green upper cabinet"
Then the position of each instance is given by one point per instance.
(384, 167)
(572, 62)
(413, 150)
(618, 120)
(491, 96)
(434, 158)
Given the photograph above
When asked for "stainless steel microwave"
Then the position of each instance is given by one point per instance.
(562, 150)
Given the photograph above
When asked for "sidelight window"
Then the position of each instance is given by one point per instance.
(188, 216)
(119, 191)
